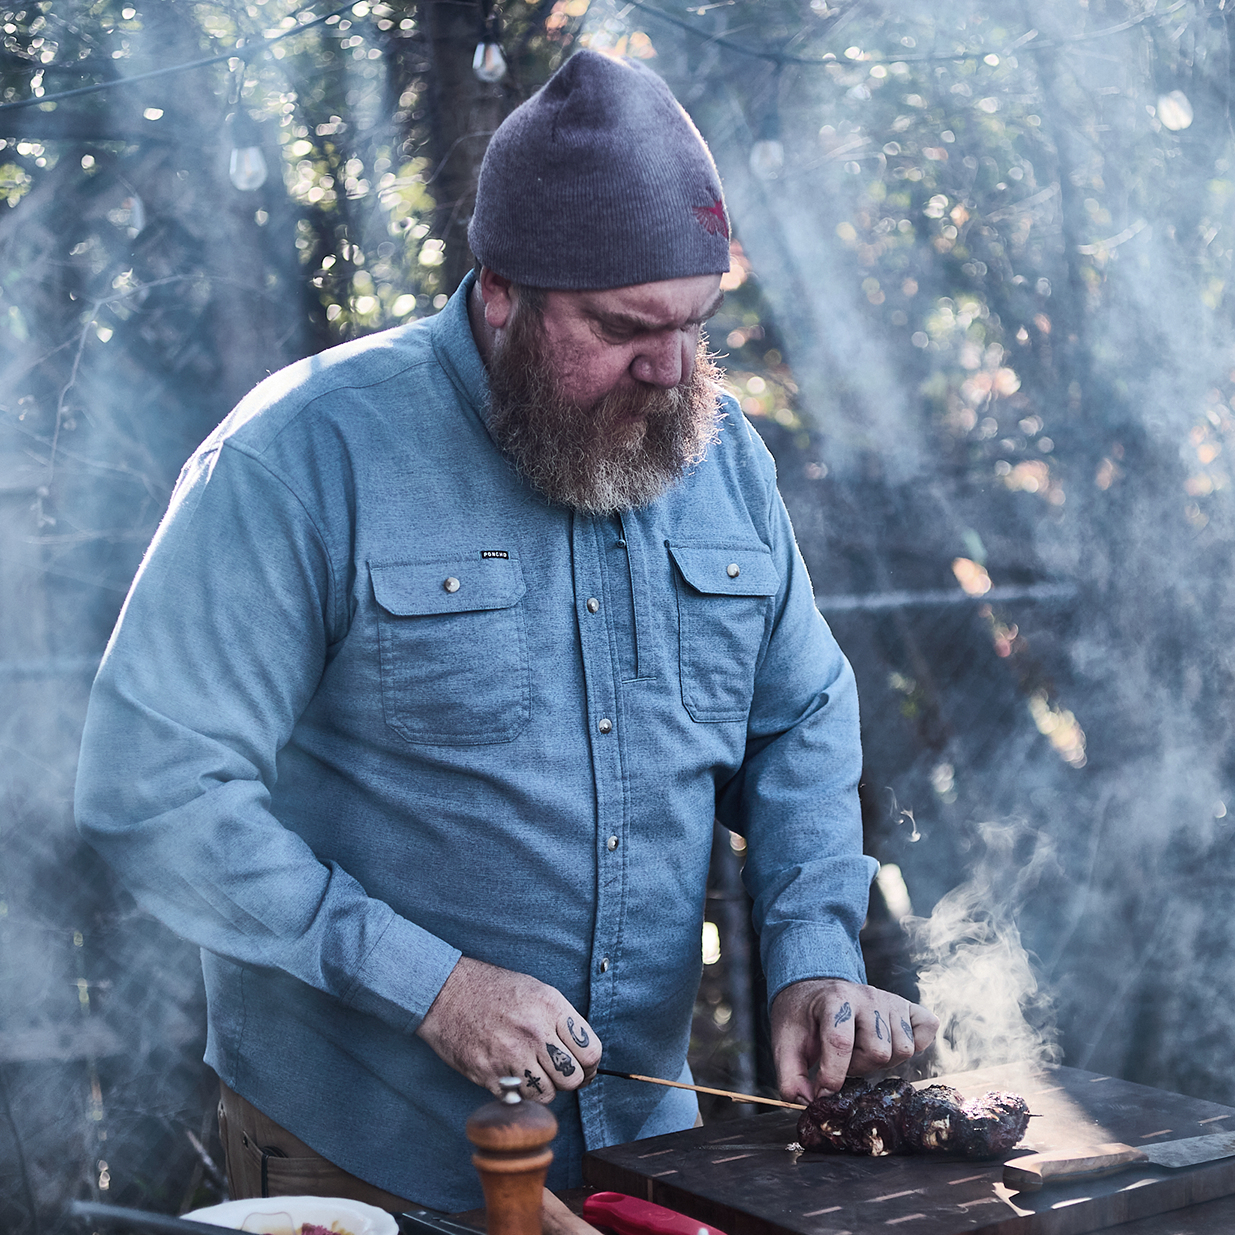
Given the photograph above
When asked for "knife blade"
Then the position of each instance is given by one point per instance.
(1093, 1161)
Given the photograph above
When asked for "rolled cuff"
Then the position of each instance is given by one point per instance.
(400, 977)
(794, 951)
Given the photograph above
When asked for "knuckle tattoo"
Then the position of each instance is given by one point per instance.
(561, 1061)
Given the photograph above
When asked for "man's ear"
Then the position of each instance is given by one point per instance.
(499, 297)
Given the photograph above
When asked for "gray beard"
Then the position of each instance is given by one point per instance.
(622, 453)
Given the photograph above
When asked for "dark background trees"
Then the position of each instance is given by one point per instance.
(980, 310)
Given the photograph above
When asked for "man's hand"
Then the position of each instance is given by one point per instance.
(846, 1029)
(488, 1022)
(557, 1219)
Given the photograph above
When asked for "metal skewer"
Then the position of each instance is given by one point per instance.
(720, 1093)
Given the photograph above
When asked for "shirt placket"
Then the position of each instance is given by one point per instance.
(606, 731)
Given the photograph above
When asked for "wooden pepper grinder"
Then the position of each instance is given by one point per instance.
(512, 1155)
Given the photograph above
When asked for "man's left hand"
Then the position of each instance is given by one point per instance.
(845, 1029)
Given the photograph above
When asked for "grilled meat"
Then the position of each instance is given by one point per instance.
(893, 1117)
(822, 1125)
(994, 1123)
(932, 1119)
(874, 1128)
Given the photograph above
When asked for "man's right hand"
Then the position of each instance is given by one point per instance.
(488, 1022)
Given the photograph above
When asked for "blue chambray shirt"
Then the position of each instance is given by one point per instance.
(337, 772)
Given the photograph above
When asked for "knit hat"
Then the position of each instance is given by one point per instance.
(599, 180)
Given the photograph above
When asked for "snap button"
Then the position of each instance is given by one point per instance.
(593, 605)
(604, 965)
(606, 725)
(611, 844)
(451, 584)
(733, 570)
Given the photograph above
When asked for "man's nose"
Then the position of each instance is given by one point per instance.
(666, 360)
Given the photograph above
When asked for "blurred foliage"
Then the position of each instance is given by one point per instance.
(342, 114)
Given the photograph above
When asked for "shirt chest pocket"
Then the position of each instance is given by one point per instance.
(453, 649)
(724, 594)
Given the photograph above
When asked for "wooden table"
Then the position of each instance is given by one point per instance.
(738, 1176)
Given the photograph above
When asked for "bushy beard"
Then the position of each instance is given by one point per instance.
(622, 453)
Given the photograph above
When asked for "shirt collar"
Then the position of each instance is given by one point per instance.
(456, 348)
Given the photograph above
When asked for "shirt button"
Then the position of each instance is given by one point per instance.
(733, 570)
(451, 584)
(593, 605)
(611, 844)
(604, 965)
(606, 725)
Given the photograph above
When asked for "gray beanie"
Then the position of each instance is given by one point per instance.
(599, 180)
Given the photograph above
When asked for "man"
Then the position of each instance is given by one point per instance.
(452, 643)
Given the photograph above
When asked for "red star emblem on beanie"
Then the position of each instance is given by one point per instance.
(713, 219)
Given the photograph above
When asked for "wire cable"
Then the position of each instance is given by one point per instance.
(243, 51)
(781, 57)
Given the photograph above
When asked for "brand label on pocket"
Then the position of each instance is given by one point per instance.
(494, 553)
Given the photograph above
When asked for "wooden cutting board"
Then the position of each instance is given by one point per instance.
(739, 1177)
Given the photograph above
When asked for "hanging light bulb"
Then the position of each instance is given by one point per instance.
(488, 63)
(247, 168)
(767, 155)
(137, 215)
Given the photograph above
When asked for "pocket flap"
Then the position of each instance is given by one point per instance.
(460, 584)
(727, 570)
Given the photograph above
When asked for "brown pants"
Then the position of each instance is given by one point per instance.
(264, 1159)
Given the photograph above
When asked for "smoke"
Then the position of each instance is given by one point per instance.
(974, 972)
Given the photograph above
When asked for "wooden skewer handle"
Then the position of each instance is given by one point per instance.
(720, 1093)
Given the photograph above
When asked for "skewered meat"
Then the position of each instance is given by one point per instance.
(874, 1128)
(932, 1118)
(893, 1117)
(823, 1124)
(994, 1123)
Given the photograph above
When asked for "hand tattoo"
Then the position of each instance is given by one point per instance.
(560, 1060)
(578, 1036)
(533, 1082)
(879, 1022)
(845, 1014)
(908, 1029)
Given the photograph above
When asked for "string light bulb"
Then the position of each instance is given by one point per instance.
(767, 155)
(489, 64)
(247, 167)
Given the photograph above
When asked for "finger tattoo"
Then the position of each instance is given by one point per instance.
(578, 1036)
(560, 1060)
(879, 1022)
(908, 1029)
(845, 1014)
(533, 1082)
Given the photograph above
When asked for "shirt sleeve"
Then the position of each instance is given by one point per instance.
(220, 645)
(795, 799)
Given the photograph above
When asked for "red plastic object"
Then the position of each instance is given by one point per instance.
(627, 1215)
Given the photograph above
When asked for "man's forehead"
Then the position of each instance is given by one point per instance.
(668, 302)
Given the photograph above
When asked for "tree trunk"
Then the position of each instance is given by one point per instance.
(464, 114)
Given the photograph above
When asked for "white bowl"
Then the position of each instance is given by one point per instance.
(284, 1215)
